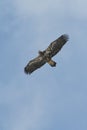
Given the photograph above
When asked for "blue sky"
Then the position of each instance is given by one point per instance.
(49, 98)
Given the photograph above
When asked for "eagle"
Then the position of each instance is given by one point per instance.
(46, 55)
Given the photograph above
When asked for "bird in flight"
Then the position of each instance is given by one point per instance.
(46, 55)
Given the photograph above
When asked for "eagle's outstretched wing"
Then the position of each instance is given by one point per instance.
(56, 45)
(46, 55)
(34, 64)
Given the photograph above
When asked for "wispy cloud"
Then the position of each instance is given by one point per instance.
(58, 7)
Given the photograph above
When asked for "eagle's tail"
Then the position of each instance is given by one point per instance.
(51, 63)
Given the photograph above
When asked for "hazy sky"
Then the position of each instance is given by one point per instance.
(50, 98)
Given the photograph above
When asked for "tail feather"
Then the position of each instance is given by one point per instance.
(52, 63)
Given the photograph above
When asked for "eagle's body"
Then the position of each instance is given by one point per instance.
(46, 55)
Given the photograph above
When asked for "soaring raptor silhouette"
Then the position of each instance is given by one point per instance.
(46, 55)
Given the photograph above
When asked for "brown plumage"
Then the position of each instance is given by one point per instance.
(46, 55)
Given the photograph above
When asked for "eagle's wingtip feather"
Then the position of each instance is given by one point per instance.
(25, 70)
(66, 37)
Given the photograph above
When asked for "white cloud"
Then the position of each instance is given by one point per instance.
(25, 106)
(75, 8)
(78, 8)
(36, 7)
